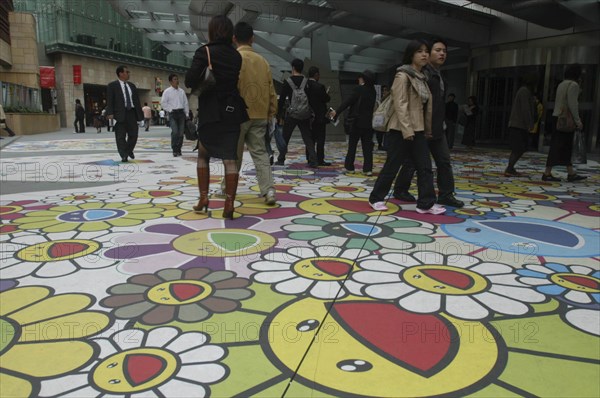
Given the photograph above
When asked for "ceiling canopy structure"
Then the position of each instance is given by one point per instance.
(359, 34)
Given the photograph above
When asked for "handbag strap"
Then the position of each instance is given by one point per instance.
(208, 54)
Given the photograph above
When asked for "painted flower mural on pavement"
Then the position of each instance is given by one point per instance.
(88, 217)
(43, 336)
(13, 209)
(328, 190)
(158, 195)
(582, 207)
(319, 272)
(133, 363)
(54, 255)
(360, 231)
(172, 294)
(575, 285)
(184, 246)
(461, 285)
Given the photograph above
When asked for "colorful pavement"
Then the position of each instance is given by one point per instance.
(111, 286)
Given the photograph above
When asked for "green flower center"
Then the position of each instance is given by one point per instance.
(8, 335)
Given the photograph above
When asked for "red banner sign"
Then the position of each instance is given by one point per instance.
(47, 79)
(76, 74)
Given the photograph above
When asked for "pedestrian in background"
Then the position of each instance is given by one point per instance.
(521, 123)
(561, 144)
(79, 117)
(175, 102)
(147, 116)
(123, 105)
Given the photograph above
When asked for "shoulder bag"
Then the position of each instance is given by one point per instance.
(383, 114)
(565, 122)
(208, 82)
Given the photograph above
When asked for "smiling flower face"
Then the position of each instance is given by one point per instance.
(575, 285)
(463, 286)
(43, 337)
(161, 362)
(54, 255)
(320, 272)
(360, 231)
(172, 294)
(88, 217)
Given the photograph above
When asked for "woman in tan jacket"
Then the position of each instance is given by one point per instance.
(409, 129)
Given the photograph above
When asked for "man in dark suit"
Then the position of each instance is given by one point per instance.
(318, 99)
(361, 104)
(123, 105)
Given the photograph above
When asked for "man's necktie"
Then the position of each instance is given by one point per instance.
(128, 105)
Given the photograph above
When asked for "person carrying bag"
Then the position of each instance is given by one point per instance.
(567, 122)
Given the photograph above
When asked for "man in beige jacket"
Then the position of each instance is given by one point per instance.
(256, 87)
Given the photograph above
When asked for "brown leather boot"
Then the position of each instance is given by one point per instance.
(203, 181)
(231, 183)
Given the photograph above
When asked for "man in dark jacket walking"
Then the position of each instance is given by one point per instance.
(123, 105)
(438, 146)
(361, 103)
(297, 114)
(79, 117)
(318, 99)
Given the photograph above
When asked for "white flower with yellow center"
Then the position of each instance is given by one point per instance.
(54, 255)
(460, 285)
(133, 363)
(320, 272)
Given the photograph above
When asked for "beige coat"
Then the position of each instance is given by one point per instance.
(256, 84)
(408, 109)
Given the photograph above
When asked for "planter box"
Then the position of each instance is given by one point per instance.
(32, 123)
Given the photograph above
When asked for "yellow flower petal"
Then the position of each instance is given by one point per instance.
(40, 224)
(11, 386)
(51, 308)
(91, 205)
(47, 359)
(69, 327)
(125, 222)
(62, 227)
(94, 226)
(64, 209)
(20, 297)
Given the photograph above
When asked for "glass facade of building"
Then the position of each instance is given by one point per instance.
(94, 28)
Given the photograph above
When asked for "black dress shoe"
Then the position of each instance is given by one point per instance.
(131, 155)
(179, 153)
(325, 164)
(575, 177)
(451, 201)
(549, 178)
(124, 160)
(175, 154)
(404, 196)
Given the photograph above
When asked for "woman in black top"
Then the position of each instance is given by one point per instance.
(221, 110)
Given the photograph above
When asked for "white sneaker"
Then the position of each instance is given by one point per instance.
(435, 209)
(270, 197)
(369, 173)
(378, 206)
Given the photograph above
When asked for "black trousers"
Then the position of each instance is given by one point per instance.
(445, 176)
(79, 123)
(318, 133)
(365, 135)
(399, 149)
(304, 126)
(126, 134)
(450, 133)
(519, 140)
